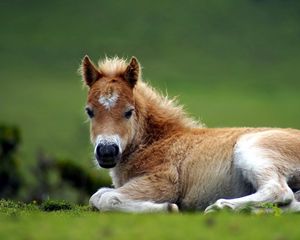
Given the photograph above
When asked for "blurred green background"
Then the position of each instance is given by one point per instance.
(231, 63)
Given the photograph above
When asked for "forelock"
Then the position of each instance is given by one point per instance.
(112, 67)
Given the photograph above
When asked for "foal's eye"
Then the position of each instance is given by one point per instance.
(89, 112)
(128, 113)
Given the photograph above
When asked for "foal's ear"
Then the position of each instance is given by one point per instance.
(132, 72)
(89, 72)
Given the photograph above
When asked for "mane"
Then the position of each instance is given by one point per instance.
(169, 107)
(112, 66)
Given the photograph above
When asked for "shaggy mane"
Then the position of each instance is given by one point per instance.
(169, 107)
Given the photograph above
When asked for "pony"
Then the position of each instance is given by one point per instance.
(160, 160)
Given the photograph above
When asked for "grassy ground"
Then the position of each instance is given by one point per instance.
(20, 221)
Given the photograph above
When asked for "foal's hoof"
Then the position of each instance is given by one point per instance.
(211, 209)
(297, 196)
(218, 205)
(95, 198)
(172, 207)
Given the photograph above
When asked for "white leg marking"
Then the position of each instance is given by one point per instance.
(269, 193)
(95, 198)
(294, 206)
(110, 200)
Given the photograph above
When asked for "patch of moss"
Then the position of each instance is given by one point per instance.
(53, 205)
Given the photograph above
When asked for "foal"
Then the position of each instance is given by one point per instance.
(161, 160)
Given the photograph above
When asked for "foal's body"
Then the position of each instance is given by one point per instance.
(161, 160)
(197, 167)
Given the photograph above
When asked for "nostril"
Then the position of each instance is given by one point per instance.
(107, 151)
(111, 150)
(98, 150)
(115, 150)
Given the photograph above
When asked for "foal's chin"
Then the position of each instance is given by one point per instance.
(108, 162)
(107, 165)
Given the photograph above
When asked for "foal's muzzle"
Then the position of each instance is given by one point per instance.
(107, 155)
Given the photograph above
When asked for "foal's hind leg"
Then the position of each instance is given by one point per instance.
(259, 167)
(271, 191)
(294, 206)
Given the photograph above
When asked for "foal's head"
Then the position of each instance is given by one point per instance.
(110, 106)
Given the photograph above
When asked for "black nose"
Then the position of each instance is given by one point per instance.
(108, 151)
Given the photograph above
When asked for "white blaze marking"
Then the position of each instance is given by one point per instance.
(109, 101)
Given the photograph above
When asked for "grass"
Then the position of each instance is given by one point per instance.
(19, 221)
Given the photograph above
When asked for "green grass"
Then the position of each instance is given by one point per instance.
(19, 221)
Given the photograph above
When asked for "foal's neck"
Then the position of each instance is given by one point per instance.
(159, 125)
(157, 117)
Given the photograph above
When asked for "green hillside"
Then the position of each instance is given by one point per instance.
(232, 63)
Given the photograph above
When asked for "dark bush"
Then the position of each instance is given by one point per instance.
(10, 177)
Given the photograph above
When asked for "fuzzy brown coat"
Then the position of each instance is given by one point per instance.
(169, 158)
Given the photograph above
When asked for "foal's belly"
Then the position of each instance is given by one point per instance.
(207, 188)
(207, 172)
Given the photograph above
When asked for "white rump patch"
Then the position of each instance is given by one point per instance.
(252, 159)
(108, 101)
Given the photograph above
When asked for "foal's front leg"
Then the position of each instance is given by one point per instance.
(115, 201)
(139, 195)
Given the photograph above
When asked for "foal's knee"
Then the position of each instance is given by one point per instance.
(109, 201)
(278, 193)
(105, 199)
(287, 195)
